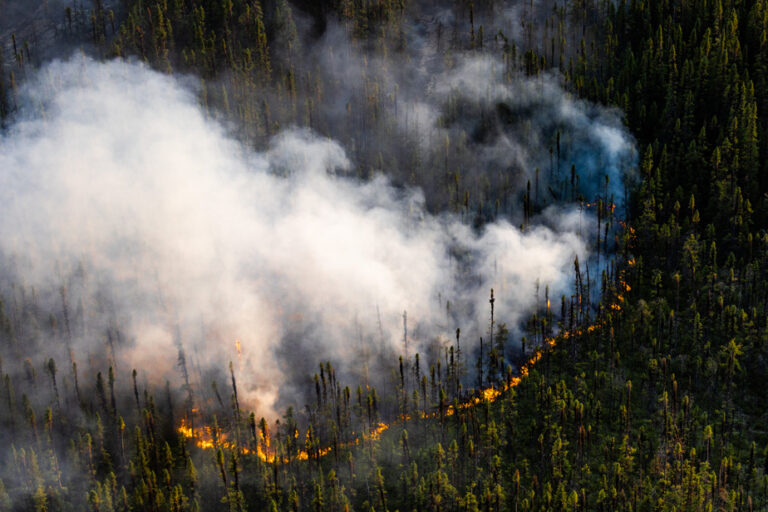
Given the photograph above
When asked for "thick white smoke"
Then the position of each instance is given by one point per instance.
(114, 186)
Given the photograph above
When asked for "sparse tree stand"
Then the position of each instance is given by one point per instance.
(651, 400)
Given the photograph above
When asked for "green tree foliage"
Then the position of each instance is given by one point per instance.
(652, 399)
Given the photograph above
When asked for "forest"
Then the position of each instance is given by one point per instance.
(383, 255)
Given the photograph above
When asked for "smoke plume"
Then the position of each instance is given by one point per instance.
(150, 233)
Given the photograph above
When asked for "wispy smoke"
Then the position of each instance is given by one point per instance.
(454, 123)
(520, 123)
(118, 194)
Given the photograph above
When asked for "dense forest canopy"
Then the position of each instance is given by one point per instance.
(383, 255)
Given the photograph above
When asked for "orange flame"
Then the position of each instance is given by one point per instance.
(206, 438)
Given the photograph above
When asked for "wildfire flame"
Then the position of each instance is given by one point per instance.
(207, 438)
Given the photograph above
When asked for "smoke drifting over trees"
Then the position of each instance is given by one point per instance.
(383, 255)
(156, 224)
(233, 193)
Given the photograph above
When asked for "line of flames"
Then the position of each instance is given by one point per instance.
(207, 439)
